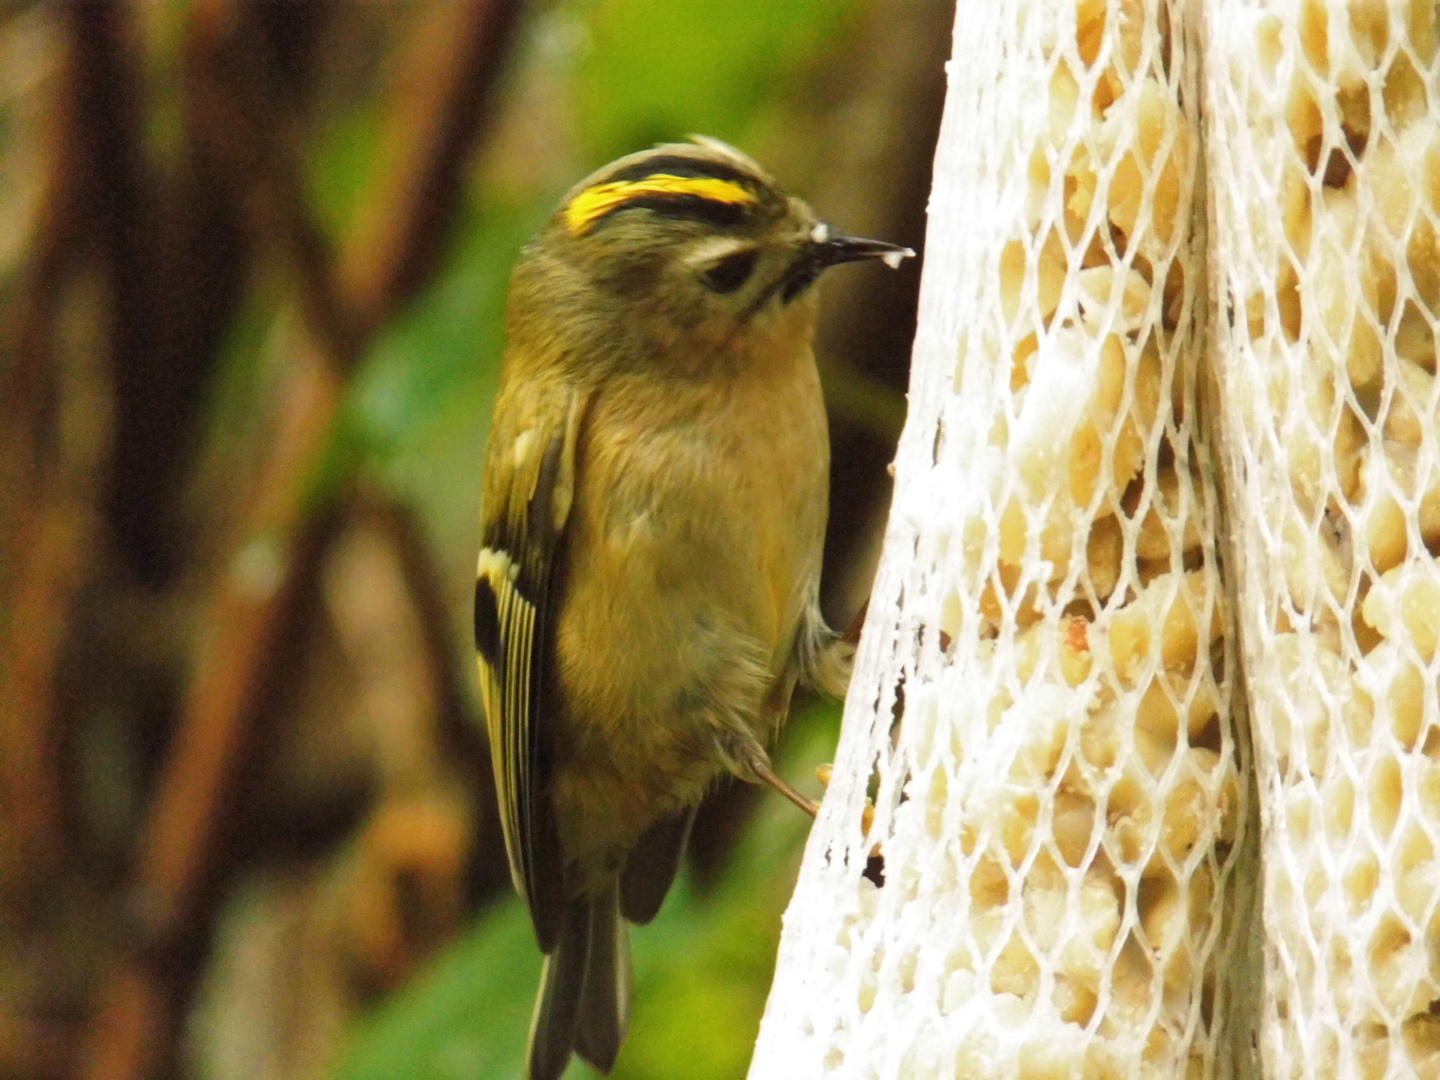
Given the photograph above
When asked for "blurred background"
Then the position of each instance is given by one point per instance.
(253, 259)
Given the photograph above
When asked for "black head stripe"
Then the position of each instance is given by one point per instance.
(671, 186)
(682, 165)
(685, 208)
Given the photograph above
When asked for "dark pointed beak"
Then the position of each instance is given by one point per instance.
(833, 247)
(828, 247)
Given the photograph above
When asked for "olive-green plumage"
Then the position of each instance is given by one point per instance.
(654, 509)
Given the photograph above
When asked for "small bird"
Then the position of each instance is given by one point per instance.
(654, 507)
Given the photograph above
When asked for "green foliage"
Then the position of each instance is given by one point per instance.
(463, 1018)
(340, 167)
(658, 71)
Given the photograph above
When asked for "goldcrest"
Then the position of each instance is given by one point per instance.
(654, 509)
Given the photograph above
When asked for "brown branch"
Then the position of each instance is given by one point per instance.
(442, 93)
(458, 736)
(29, 789)
(53, 559)
(183, 842)
(36, 1049)
(55, 416)
(402, 529)
(254, 605)
(255, 141)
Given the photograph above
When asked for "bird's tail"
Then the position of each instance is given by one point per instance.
(584, 1001)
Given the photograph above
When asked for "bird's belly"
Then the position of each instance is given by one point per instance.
(677, 630)
(676, 642)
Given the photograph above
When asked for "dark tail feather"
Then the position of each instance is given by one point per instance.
(651, 866)
(562, 979)
(605, 1002)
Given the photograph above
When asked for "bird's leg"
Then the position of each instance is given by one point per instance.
(757, 763)
(769, 776)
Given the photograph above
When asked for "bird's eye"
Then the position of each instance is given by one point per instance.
(732, 271)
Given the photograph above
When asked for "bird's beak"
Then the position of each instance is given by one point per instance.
(827, 247)
(833, 247)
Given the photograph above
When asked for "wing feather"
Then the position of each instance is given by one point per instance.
(529, 487)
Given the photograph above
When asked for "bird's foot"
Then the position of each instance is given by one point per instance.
(757, 764)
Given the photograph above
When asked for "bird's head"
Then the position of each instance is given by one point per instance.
(680, 248)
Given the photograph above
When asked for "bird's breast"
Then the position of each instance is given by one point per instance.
(693, 549)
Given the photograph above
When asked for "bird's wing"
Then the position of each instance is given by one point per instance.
(529, 487)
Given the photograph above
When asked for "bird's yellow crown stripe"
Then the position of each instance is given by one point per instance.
(593, 203)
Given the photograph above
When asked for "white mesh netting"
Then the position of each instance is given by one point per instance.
(1043, 698)
(1324, 158)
